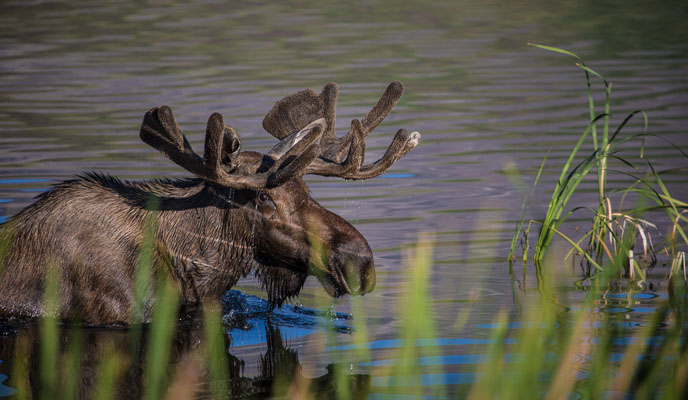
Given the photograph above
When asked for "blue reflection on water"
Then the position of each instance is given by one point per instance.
(5, 390)
(246, 318)
(513, 325)
(34, 190)
(394, 343)
(3, 218)
(26, 180)
(396, 176)
(440, 360)
(399, 396)
(634, 296)
(587, 324)
(455, 378)
(627, 309)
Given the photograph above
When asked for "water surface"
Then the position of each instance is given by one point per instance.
(76, 79)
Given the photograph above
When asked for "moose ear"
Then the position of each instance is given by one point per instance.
(231, 146)
(293, 113)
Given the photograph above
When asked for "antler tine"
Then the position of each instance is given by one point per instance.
(383, 107)
(222, 146)
(291, 164)
(401, 145)
(337, 149)
(329, 96)
(354, 157)
(221, 153)
(297, 159)
(344, 157)
(352, 167)
(160, 131)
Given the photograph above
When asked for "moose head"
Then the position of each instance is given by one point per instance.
(244, 212)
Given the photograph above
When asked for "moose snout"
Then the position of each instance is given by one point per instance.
(345, 264)
(360, 275)
(357, 268)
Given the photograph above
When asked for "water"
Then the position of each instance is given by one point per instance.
(76, 79)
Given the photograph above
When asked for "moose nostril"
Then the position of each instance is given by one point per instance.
(367, 282)
(360, 275)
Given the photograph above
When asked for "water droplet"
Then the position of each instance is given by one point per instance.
(360, 195)
(346, 187)
(253, 227)
(230, 199)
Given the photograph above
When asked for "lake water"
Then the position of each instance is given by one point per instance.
(76, 79)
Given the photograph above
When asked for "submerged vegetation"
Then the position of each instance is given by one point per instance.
(562, 347)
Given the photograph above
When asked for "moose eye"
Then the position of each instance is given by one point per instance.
(264, 198)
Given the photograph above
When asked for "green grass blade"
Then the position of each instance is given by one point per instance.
(524, 210)
(565, 376)
(49, 333)
(109, 371)
(554, 49)
(592, 71)
(678, 148)
(72, 364)
(624, 161)
(672, 204)
(573, 153)
(556, 206)
(588, 71)
(580, 250)
(160, 339)
(626, 120)
(20, 379)
(360, 334)
(492, 370)
(215, 350)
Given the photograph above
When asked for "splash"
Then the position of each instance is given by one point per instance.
(5, 390)
(246, 317)
(360, 195)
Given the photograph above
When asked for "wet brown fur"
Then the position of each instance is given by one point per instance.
(206, 236)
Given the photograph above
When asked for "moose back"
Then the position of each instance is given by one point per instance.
(243, 212)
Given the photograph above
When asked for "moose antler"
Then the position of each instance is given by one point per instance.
(222, 146)
(341, 157)
(305, 124)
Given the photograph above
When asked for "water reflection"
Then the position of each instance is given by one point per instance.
(278, 367)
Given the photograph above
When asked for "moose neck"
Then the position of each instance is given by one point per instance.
(205, 235)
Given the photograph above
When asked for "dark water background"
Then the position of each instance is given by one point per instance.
(76, 78)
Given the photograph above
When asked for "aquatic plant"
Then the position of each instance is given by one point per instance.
(612, 233)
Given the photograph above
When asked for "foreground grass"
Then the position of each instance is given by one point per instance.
(585, 353)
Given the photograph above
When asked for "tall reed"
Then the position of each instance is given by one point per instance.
(608, 227)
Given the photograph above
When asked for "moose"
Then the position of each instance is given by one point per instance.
(243, 212)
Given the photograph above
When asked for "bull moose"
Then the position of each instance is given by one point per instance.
(243, 212)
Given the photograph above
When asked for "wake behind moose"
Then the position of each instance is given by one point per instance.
(243, 212)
